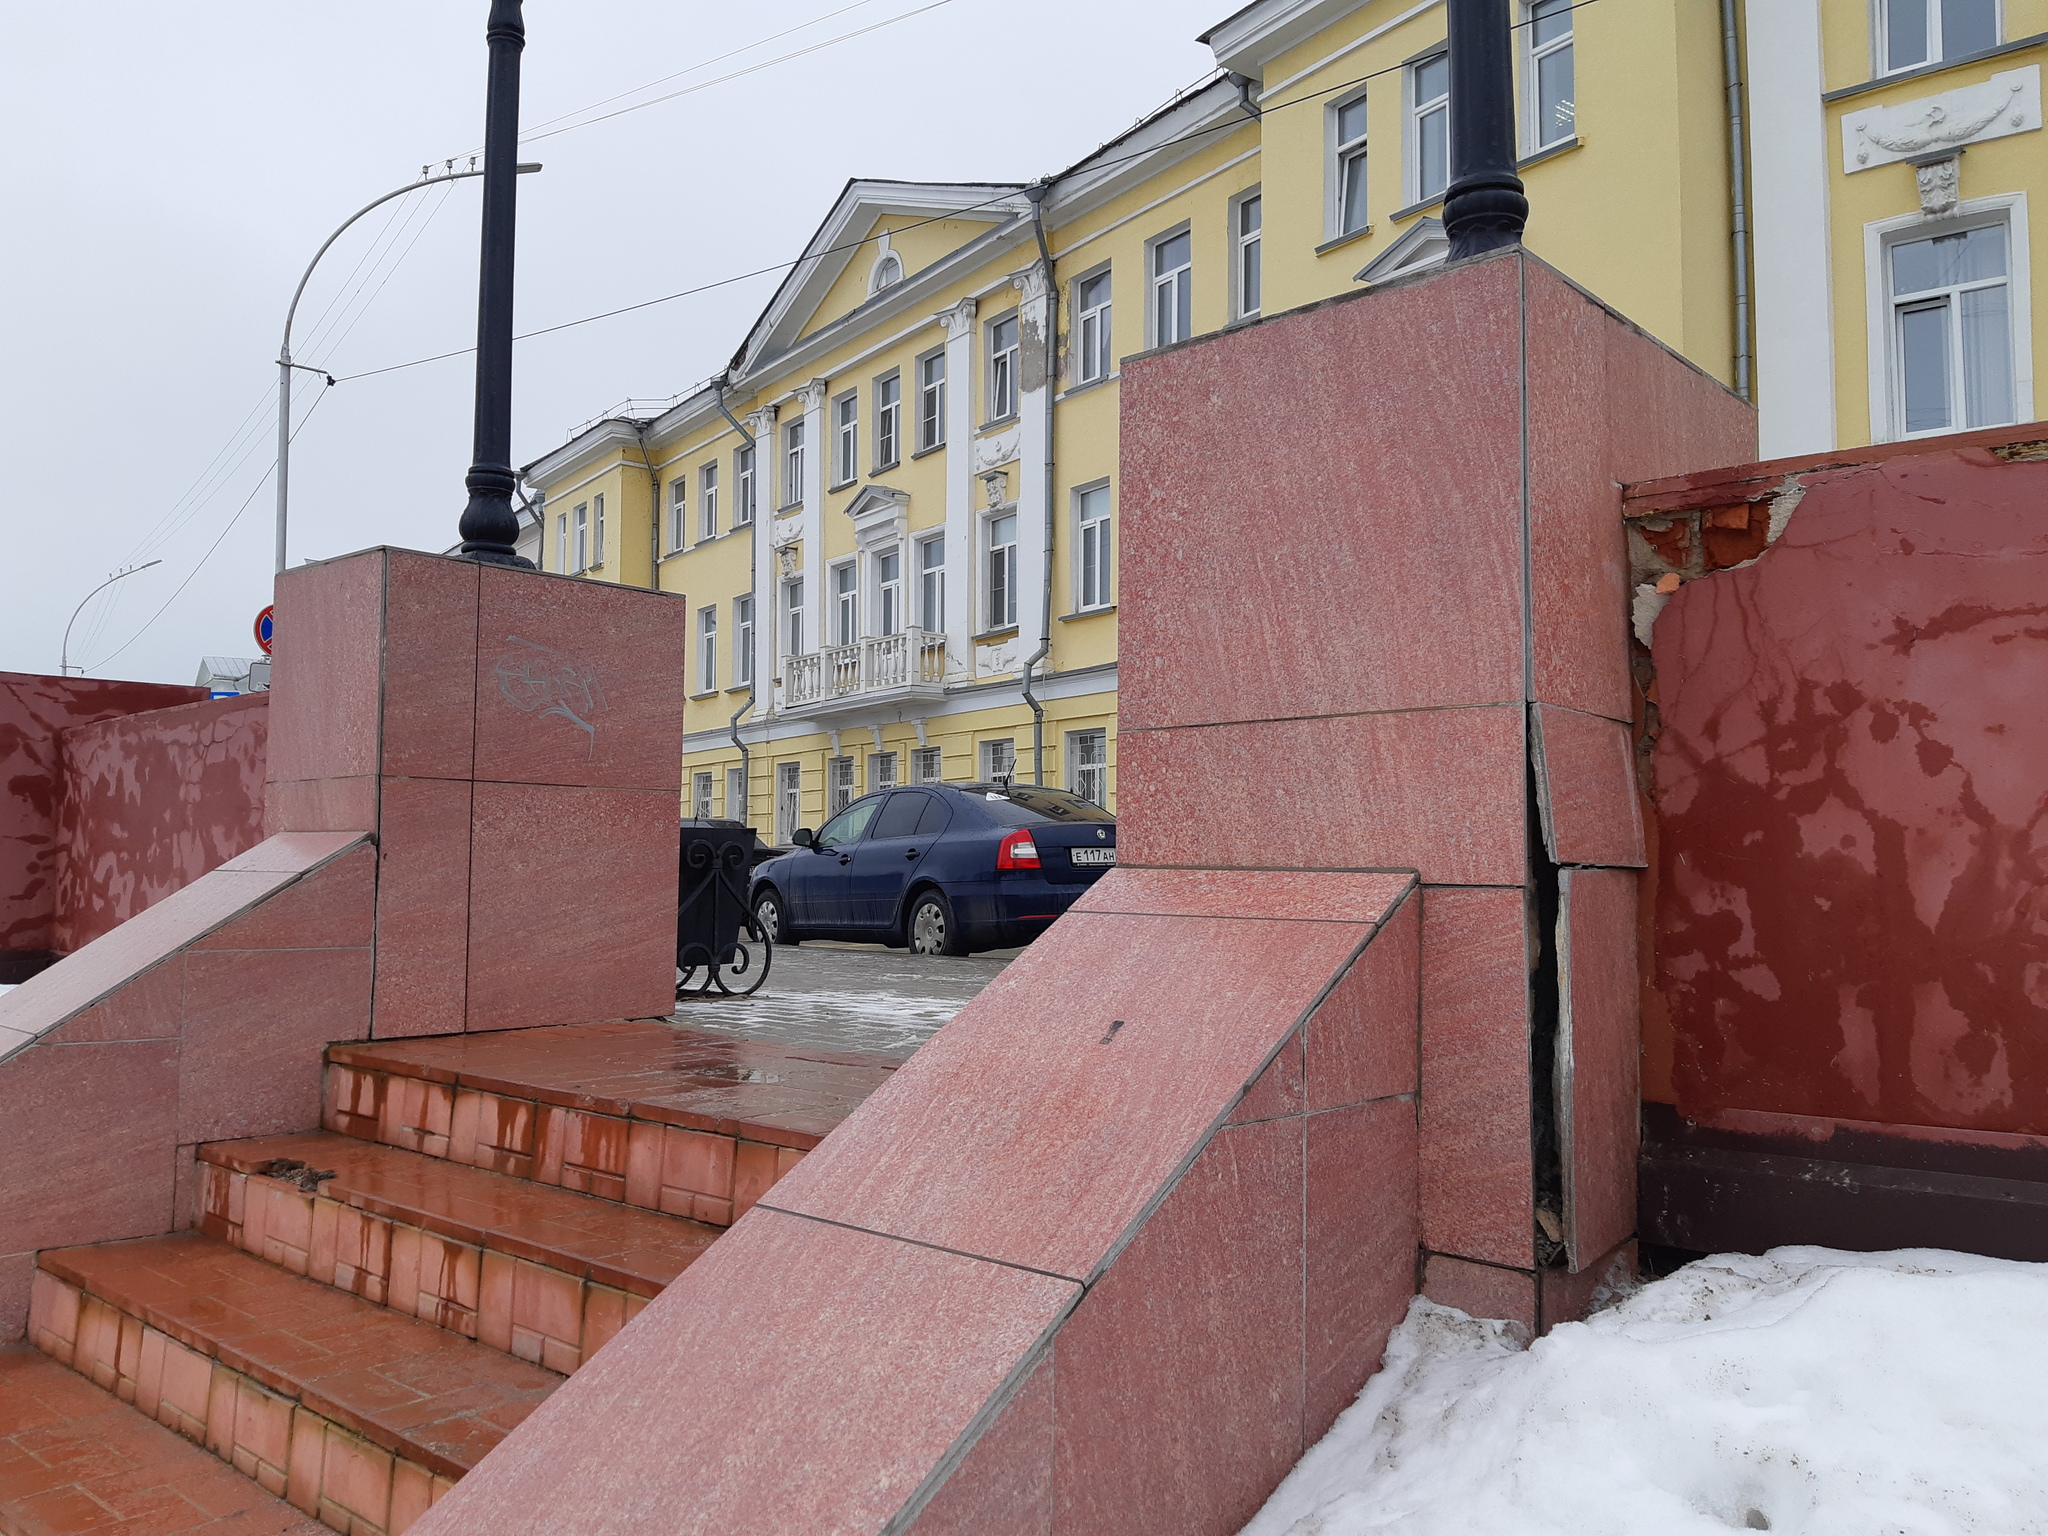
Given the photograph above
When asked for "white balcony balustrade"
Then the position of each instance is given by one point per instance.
(878, 667)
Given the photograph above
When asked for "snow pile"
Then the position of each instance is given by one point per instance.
(1811, 1391)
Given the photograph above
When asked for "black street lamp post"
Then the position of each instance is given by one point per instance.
(1484, 207)
(489, 526)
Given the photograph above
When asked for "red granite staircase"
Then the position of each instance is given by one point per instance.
(364, 1311)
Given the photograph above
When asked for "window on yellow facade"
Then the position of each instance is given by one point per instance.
(736, 807)
(1088, 765)
(707, 502)
(700, 795)
(1429, 132)
(742, 487)
(1173, 274)
(1952, 357)
(1092, 328)
(579, 546)
(742, 641)
(999, 597)
(845, 603)
(846, 439)
(793, 616)
(1917, 32)
(888, 419)
(597, 529)
(562, 542)
(1002, 369)
(707, 650)
(793, 463)
(678, 512)
(931, 400)
(931, 584)
(1347, 128)
(789, 800)
(1091, 547)
(1246, 218)
(926, 766)
(1550, 93)
(889, 592)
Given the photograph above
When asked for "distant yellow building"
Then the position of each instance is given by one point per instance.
(895, 516)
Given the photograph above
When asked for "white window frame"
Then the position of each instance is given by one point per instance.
(743, 640)
(707, 649)
(1000, 368)
(1078, 771)
(701, 785)
(1094, 328)
(1341, 153)
(1880, 235)
(562, 542)
(927, 765)
(882, 771)
(840, 790)
(736, 796)
(888, 613)
(597, 531)
(931, 584)
(845, 439)
(1937, 51)
(888, 421)
(579, 544)
(1246, 255)
(1533, 56)
(793, 450)
(743, 461)
(931, 400)
(793, 617)
(1414, 111)
(1093, 536)
(844, 592)
(997, 759)
(993, 621)
(1155, 280)
(678, 512)
(789, 801)
(707, 500)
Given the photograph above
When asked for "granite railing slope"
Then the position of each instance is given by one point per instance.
(200, 1019)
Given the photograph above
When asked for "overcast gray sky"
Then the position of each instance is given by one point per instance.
(169, 170)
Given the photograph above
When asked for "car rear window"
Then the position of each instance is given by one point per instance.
(1027, 805)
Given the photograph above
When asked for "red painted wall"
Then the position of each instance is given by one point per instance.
(33, 710)
(1851, 786)
(150, 803)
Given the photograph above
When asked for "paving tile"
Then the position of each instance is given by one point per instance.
(324, 695)
(256, 1022)
(1601, 1049)
(1018, 1134)
(75, 1458)
(1586, 775)
(872, 1356)
(408, 1386)
(91, 1133)
(579, 684)
(1199, 1320)
(1440, 791)
(1476, 1175)
(579, 928)
(1430, 563)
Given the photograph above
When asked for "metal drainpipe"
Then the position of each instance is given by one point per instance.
(753, 584)
(1052, 314)
(654, 504)
(1738, 193)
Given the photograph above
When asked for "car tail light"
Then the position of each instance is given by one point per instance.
(1017, 851)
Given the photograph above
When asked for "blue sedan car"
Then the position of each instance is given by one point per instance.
(944, 869)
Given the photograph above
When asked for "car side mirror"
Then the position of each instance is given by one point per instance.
(804, 837)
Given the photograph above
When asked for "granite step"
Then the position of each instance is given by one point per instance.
(539, 1272)
(75, 1458)
(351, 1412)
(645, 1112)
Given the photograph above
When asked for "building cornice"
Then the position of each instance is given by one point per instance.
(1247, 41)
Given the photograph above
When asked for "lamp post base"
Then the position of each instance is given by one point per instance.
(489, 526)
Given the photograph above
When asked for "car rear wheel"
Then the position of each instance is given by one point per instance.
(773, 917)
(931, 928)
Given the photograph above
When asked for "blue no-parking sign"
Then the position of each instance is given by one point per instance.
(266, 627)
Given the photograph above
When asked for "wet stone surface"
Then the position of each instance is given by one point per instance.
(851, 997)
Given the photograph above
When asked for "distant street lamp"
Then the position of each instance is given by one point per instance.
(64, 654)
(285, 365)
(489, 526)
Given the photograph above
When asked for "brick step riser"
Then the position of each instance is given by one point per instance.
(315, 1464)
(531, 1311)
(709, 1176)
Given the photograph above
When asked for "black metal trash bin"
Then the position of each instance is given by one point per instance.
(719, 942)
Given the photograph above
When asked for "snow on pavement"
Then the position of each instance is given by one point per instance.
(1806, 1390)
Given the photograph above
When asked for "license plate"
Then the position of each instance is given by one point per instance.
(1092, 855)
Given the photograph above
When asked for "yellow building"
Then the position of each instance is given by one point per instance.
(895, 515)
